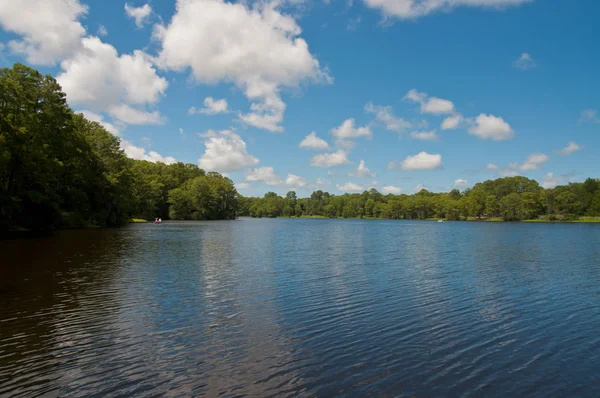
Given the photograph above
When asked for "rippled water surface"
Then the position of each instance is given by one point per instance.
(303, 308)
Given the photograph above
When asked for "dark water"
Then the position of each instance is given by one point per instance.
(305, 308)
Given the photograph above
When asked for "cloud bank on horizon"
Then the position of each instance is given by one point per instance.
(277, 98)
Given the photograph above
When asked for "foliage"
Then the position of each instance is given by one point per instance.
(507, 199)
(59, 170)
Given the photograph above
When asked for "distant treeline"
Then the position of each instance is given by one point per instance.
(59, 170)
(508, 199)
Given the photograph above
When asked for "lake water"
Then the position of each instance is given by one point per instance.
(303, 308)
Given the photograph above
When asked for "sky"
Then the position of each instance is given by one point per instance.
(337, 95)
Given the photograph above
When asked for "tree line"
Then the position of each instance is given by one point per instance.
(508, 199)
(59, 170)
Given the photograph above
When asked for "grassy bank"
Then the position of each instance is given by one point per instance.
(136, 220)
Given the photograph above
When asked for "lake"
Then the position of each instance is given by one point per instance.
(259, 307)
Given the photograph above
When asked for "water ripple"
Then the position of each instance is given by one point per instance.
(303, 308)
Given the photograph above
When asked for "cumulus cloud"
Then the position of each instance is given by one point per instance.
(242, 185)
(295, 181)
(322, 181)
(362, 171)
(490, 127)
(384, 115)
(460, 183)
(392, 189)
(50, 30)
(589, 115)
(94, 117)
(225, 151)
(312, 141)
(570, 149)
(256, 47)
(349, 187)
(524, 62)
(335, 159)
(347, 130)
(140, 153)
(139, 14)
(533, 162)
(551, 180)
(491, 166)
(411, 9)
(451, 122)
(425, 135)
(263, 174)
(422, 161)
(432, 105)
(268, 176)
(211, 107)
(98, 79)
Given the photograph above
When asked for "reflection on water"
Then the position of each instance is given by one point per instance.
(303, 307)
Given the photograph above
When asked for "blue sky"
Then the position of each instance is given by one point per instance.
(400, 94)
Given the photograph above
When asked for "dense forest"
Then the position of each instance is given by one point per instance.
(507, 199)
(59, 170)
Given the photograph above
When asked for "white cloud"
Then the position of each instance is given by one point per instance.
(461, 183)
(347, 130)
(295, 181)
(225, 151)
(589, 115)
(263, 174)
(508, 173)
(102, 81)
(524, 62)
(550, 180)
(384, 115)
(491, 166)
(410, 9)
(258, 49)
(94, 117)
(211, 107)
(334, 159)
(139, 14)
(422, 161)
(102, 31)
(130, 115)
(433, 105)
(437, 106)
(242, 185)
(569, 149)
(425, 135)
(452, 122)
(50, 30)
(392, 189)
(490, 127)
(419, 188)
(322, 181)
(312, 141)
(349, 187)
(362, 171)
(139, 153)
(533, 162)
(415, 96)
